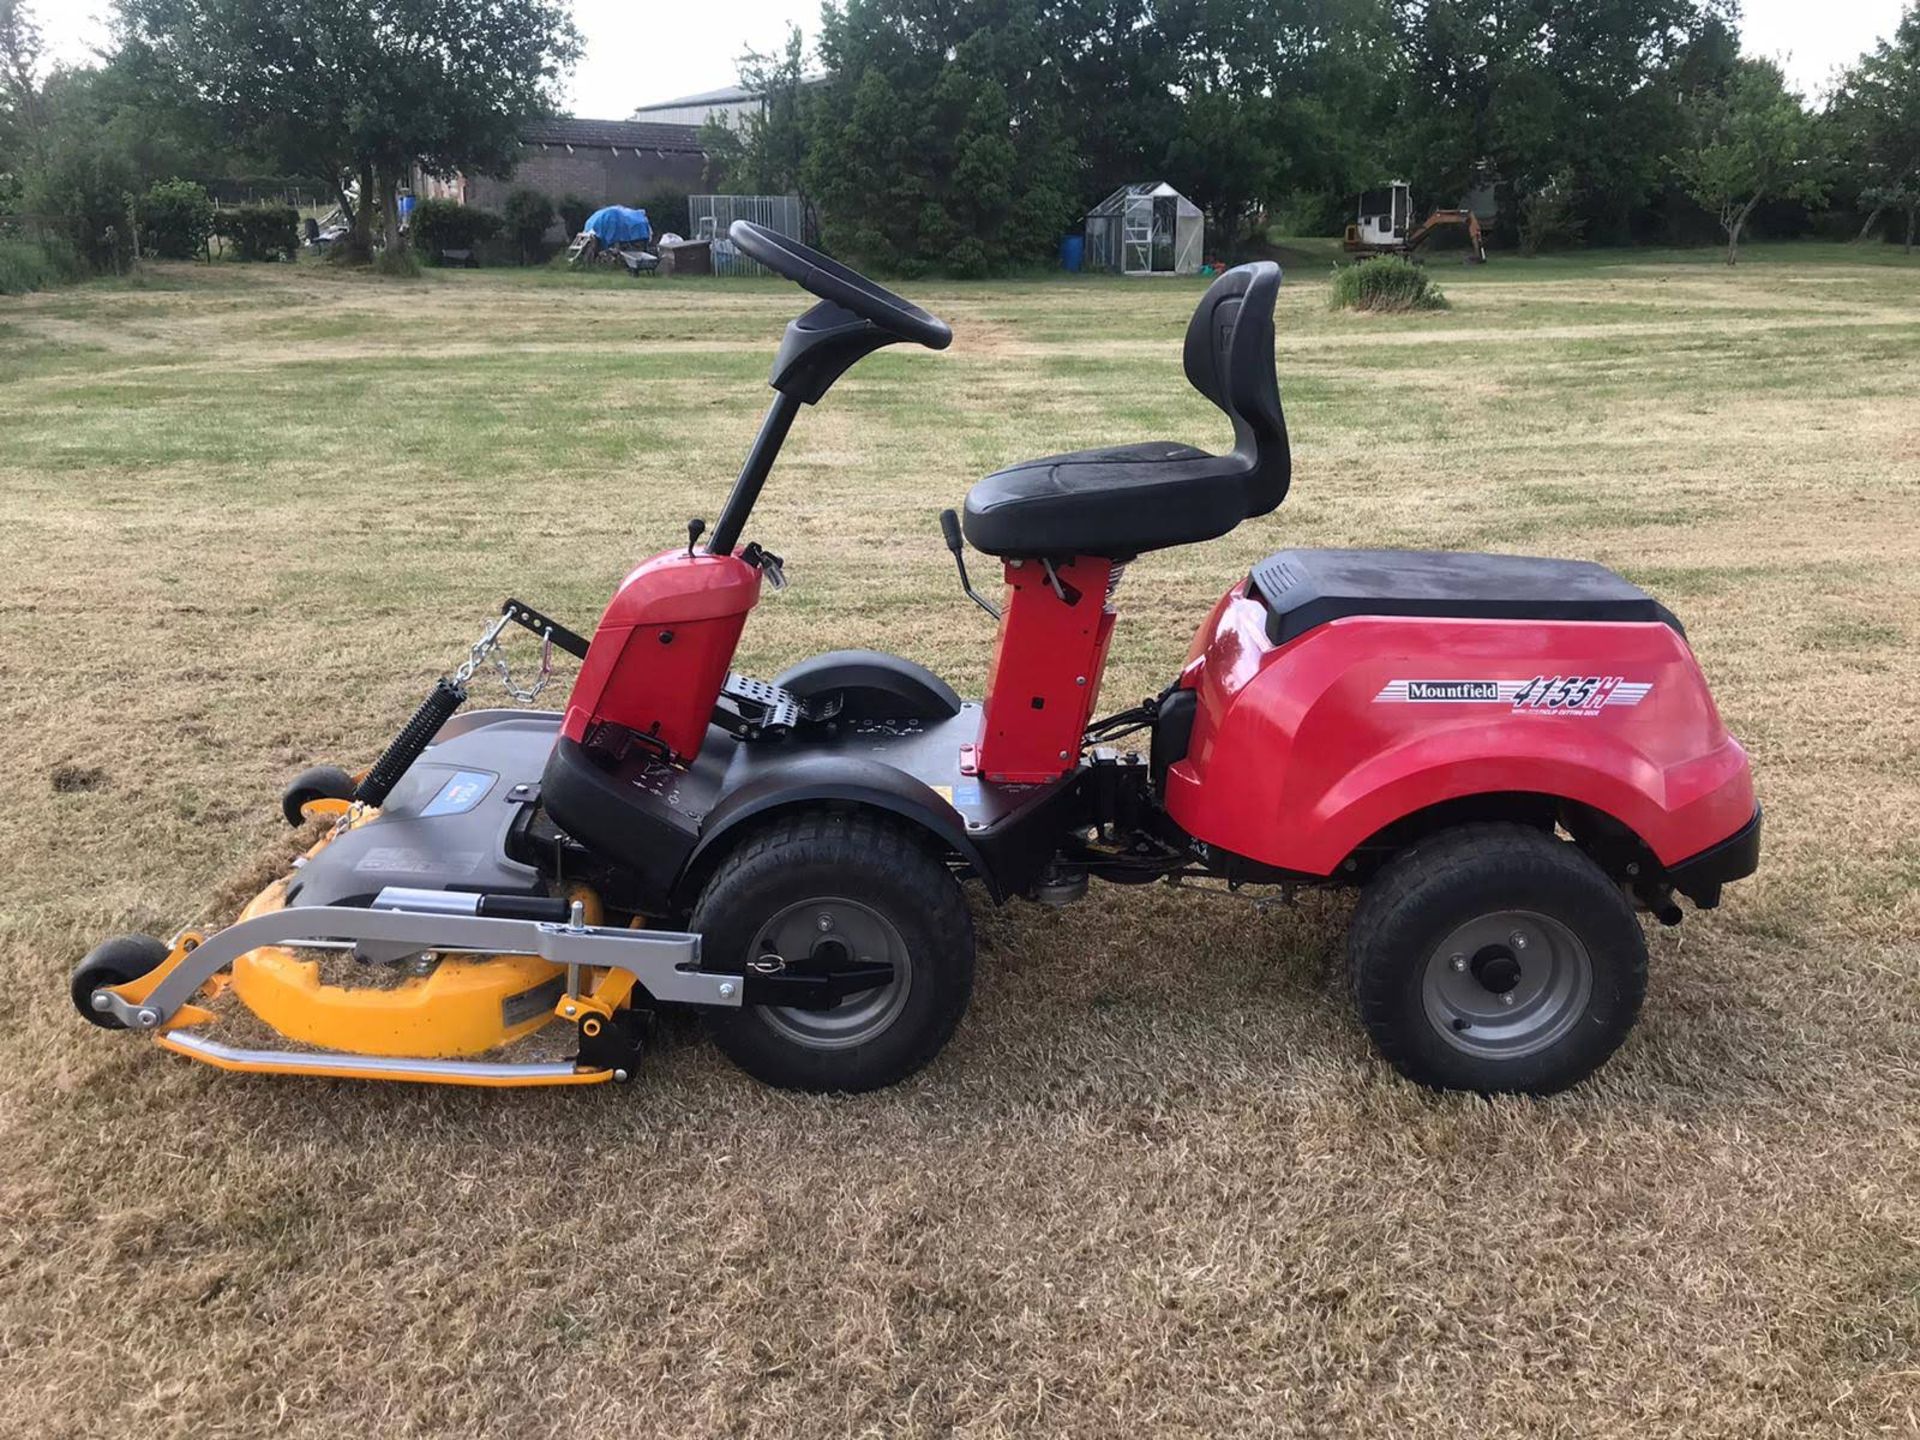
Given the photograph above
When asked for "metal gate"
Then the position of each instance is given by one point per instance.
(710, 215)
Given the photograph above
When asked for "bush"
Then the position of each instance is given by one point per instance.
(176, 217)
(84, 190)
(448, 225)
(666, 210)
(260, 232)
(1547, 219)
(528, 213)
(399, 264)
(574, 212)
(27, 265)
(1385, 282)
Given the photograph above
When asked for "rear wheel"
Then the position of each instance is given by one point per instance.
(112, 962)
(1496, 958)
(822, 891)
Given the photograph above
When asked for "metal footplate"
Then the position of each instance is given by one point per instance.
(665, 964)
(759, 707)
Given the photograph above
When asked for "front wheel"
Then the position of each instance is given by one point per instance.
(1496, 959)
(824, 891)
(113, 962)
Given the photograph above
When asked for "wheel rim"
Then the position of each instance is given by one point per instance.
(834, 931)
(1507, 984)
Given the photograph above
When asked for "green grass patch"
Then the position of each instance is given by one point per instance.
(1386, 283)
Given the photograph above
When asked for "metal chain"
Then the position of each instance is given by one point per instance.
(489, 642)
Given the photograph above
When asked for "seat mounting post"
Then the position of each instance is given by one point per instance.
(1046, 669)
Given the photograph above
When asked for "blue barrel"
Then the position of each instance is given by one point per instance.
(1073, 249)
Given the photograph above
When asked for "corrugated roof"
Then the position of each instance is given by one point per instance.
(622, 134)
(726, 94)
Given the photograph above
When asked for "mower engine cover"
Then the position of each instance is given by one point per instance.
(1303, 748)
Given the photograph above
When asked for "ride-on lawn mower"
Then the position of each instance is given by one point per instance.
(1508, 756)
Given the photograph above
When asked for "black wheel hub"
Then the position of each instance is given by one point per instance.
(1497, 968)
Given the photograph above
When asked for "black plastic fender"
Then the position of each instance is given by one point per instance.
(832, 780)
(877, 686)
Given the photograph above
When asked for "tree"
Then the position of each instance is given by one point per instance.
(1524, 91)
(940, 140)
(1754, 142)
(363, 87)
(20, 49)
(1877, 109)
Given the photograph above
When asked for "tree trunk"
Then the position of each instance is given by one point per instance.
(1912, 206)
(1733, 230)
(1867, 228)
(390, 211)
(360, 247)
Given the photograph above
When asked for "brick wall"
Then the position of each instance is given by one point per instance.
(592, 173)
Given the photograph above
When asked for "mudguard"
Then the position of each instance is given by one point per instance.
(831, 778)
(874, 684)
(1301, 751)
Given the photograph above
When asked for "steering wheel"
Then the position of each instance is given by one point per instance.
(832, 281)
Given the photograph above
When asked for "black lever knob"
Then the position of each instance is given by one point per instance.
(696, 527)
(950, 527)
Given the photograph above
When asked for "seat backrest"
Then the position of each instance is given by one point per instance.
(1229, 359)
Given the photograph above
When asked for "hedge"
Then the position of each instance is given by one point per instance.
(260, 232)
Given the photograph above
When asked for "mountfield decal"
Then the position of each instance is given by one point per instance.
(1543, 694)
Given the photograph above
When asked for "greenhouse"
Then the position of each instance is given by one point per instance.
(1147, 229)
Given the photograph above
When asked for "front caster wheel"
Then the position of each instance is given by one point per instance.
(822, 892)
(316, 782)
(112, 962)
(1496, 958)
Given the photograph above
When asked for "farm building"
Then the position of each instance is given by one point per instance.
(605, 162)
(731, 103)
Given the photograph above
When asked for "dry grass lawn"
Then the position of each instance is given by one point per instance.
(1158, 1185)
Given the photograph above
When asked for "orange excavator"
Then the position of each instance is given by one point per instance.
(1384, 225)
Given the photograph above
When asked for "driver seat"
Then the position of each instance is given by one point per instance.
(1123, 500)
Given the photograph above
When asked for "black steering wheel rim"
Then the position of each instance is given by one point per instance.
(826, 277)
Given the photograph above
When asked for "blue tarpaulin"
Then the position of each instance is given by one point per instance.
(618, 225)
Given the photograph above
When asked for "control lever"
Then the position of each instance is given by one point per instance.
(950, 527)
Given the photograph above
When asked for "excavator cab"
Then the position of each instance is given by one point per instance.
(1383, 218)
(1383, 225)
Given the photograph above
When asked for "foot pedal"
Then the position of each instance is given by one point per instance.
(760, 708)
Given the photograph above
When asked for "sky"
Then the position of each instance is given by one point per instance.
(640, 51)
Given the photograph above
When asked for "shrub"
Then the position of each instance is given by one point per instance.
(1547, 220)
(666, 210)
(1385, 282)
(176, 217)
(35, 264)
(83, 189)
(260, 232)
(527, 214)
(574, 212)
(448, 225)
(400, 264)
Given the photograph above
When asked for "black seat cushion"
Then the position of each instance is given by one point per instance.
(1305, 588)
(1119, 500)
(1125, 499)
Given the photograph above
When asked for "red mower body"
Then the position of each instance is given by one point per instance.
(1302, 751)
(662, 650)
